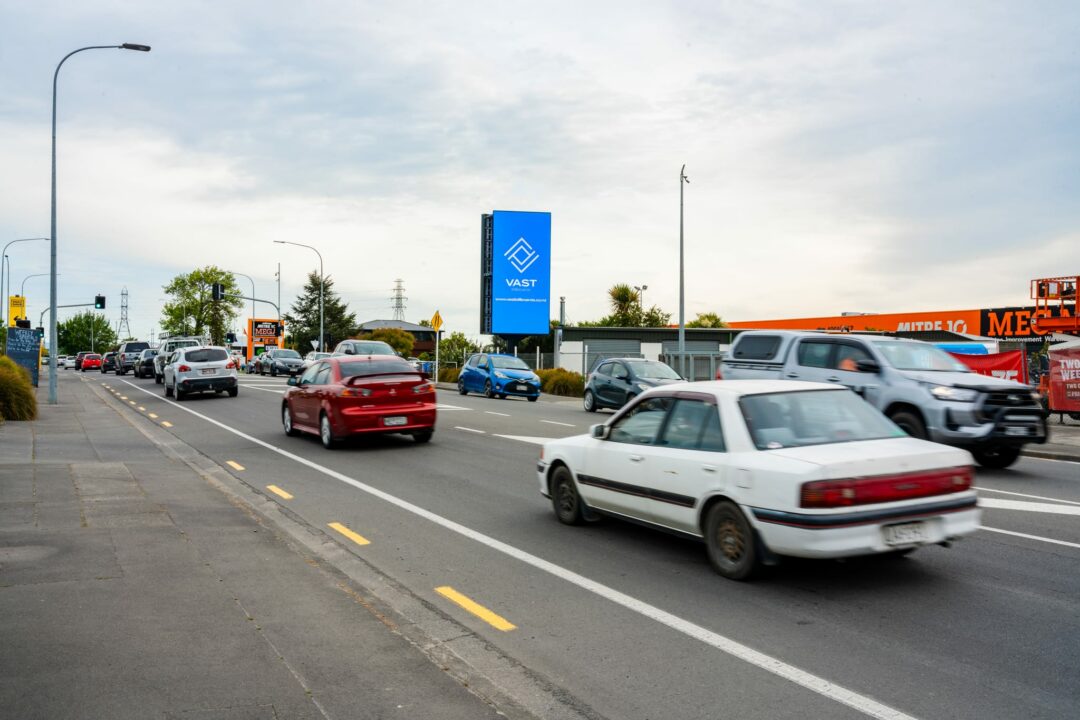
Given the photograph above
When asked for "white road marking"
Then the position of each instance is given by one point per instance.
(1031, 537)
(492, 412)
(821, 686)
(999, 504)
(1036, 497)
(527, 438)
(553, 422)
(443, 406)
(256, 387)
(472, 430)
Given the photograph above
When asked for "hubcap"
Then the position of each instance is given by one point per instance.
(730, 541)
(567, 501)
(286, 418)
(325, 427)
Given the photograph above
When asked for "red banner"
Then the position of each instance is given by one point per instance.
(1065, 378)
(1010, 365)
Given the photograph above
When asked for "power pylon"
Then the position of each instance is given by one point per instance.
(399, 300)
(123, 330)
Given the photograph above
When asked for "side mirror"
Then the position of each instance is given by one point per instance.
(293, 380)
(867, 366)
(599, 431)
(350, 351)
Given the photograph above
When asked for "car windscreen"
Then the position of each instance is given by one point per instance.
(372, 347)
(919, 356)
(206, 355)
(382, 366)
(287, 354)
(508, 363)
(813, 417)
(653, 370)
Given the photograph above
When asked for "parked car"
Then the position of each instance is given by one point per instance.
(144, 365)
(617, 381)
(280, 361)
(761, 469)
(91, 361)
(108, 362)
(311, 358)
(200, 369)
(346, 396)
(168, 345)
(923, 389)
(363, 347)
(79, 358)
(498, 375)
(127, 354)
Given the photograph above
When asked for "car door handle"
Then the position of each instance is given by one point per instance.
(833, 378)
(709, 468)
(637, 458)
(792, 374)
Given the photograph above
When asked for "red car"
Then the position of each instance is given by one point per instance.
(91, 361)
(349, 395)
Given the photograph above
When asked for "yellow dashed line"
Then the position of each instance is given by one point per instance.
(153, 415)
(123, 397)
(234, 465)
(358, 539)
(496, 621)
(166, 423)
(131, 402)
(142, 409)
(278, 491)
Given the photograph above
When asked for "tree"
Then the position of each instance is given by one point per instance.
(192, 311)
(85, 331)
(626, 311)
(456, 347)
(546, 343)
(303, 317)
(401, 340)
(707, 320)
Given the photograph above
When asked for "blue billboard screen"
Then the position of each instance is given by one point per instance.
(520, 273)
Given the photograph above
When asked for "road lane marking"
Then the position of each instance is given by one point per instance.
(142, 409)
(1036, 497)
(492, 412)
(234, 465)
(278, 491)
(443, 406)
(256, 387)
(553, 422)
(1023, 505)
(472, 430)
(123, 397)
(131, 402)
(527, 438)
(153, 415)
(166, 423)
(817, 684)
(355, 537)
(1031, 537)
(469, 605)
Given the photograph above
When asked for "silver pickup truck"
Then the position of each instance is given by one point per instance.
(923, 389)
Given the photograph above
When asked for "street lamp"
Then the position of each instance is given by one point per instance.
(5, 263)
(641, 298)
(52, 237)
(682, 293)
(252, 290)
(22, 288)
(322, 285)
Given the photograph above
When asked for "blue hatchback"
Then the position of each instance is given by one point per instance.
(498, 375)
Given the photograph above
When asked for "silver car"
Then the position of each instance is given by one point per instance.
(200, 369)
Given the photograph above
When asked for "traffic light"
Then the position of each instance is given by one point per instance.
(230, 337)
(217, 291)
(99, 302)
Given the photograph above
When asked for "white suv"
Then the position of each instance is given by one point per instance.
(200, 369)
(166, 348)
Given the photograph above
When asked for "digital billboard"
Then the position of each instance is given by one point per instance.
(516, 273)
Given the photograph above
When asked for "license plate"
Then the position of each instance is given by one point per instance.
(208, 371)
(1018, 431)
(905, 534)
(521, 388)
(398, 420)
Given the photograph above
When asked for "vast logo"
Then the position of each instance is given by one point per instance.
(521, 255)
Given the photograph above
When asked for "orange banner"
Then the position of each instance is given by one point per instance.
(958, 321)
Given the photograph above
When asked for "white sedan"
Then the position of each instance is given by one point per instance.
(760, 469)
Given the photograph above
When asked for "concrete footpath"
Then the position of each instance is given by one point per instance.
(134, 586)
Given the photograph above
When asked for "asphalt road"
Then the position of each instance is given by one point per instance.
(633, 622)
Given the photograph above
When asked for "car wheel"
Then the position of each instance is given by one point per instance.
(565, 498)
(273, 371)
(326, 433)
(180, 394)
(168, 390)
(502, 396)
(461, 387)
(286, 421)
(589, 401)
(910, 423)
(157, 379)
(730, 541)
(233, 392)
(996, 457)
(534, 398)
(423, 436)
(488, 391)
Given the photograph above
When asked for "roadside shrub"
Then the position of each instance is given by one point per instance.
(449, 375)
(559, 381)
(17, 399)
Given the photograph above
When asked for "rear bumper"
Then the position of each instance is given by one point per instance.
(360, 421)
(210, 384)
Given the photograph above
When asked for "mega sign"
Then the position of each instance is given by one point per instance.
(515, 273)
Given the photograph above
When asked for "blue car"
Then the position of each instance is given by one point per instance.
(498, 375)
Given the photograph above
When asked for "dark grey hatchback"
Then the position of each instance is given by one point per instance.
(616, 381)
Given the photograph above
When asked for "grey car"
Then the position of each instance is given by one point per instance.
(280, 361)
(616, 381)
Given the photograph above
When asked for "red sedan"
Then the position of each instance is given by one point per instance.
(91, 361)
(339, 397)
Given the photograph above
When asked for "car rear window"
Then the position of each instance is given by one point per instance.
(813, 417)
(382, 366)
(92, 357)
(206, 355)
(756, 347)
(135, 346)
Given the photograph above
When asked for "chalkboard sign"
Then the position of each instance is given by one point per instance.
(22, 347)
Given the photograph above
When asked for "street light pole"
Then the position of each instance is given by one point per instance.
(322, 286)
(682, 291)
(22, 288)
(252, 290)
(641, 298)
(52, 236)
(4, 262)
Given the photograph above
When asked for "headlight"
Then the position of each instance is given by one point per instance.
(1036, 397)
(642, 386)
(501, 375)
(955, 394)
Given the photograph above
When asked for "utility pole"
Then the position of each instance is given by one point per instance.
(683, 180)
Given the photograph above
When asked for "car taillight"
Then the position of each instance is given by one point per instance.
(885, 488)
(719, 373)
(424, 387)
(183, 368)
(356, 392)
(230, 365)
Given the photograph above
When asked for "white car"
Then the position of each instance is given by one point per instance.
(762, 468)
(200, 369)
(69, 362)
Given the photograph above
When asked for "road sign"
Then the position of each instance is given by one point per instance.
(16, 309)
(436, 321)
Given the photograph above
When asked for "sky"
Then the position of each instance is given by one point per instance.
(842, 156)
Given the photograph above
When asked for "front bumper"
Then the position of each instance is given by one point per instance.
(523, 388)
(973, 425)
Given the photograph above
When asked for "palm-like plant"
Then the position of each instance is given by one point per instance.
(625, 305)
